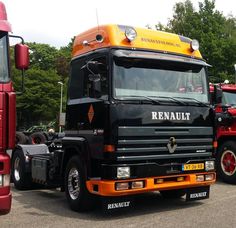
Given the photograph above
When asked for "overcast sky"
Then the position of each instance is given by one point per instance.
(55, 21)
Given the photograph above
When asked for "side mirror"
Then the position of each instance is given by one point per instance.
(96, 67)
(21, 56)
(217, 94)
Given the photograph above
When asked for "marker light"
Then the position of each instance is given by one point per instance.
(130, 33)
(194, 45)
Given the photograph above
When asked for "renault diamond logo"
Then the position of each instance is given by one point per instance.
(172, 145)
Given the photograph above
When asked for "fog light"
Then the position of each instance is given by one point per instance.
(137, 184)
(209, 165)
(4, 180)
(200, 178)
(209, 177)
(122, 186)
(159, 181)
(180, 179)
(123, 172)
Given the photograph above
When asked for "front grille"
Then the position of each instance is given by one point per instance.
(151, 142)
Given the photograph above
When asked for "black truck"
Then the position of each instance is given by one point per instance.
(138, 119)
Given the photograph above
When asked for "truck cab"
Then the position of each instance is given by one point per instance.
(225, 134)
(138, 119)
(7, 106)
(138, 113)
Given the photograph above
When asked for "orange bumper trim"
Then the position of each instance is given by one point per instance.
(107, 187)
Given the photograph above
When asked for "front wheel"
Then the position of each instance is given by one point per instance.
(226, 162)
(77, 195)
(21, 179)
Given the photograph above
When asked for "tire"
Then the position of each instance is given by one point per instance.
(77, 195)
(173, 194)
(226, 162)
(21, 138)
(21, 179)
(38, 138)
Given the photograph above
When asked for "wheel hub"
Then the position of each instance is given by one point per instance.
(74, 183)
(228, 162)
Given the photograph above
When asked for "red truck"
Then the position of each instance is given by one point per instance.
(8, 105)
(226, 134)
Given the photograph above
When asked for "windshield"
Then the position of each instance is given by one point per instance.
(139, 78)
(4, 73)
(229, 98)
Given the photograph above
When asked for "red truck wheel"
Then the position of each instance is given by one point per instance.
(226, 162)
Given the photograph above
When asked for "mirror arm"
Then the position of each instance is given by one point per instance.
(22, 83)
(18, 37)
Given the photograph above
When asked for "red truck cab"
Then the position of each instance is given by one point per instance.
(6, 99)
(226, 134)
(7, 106)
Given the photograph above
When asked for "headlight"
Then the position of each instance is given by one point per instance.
(194, 45)
(209, 165)
(123, 172)
(130, 33)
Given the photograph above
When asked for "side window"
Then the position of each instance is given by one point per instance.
(104, 78)
(77, 78)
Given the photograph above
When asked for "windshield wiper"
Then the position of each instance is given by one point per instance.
(193, 99)
(147, 98)
(172, 99)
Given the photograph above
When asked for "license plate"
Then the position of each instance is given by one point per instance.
(188, 167)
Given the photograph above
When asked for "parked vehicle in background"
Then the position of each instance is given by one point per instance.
(226, 134)
(7, 106)
(138, 119)
(36, 134)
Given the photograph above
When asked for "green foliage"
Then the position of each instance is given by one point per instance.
(40, 101)
(41, 98)
(216, 34)
(42, 56)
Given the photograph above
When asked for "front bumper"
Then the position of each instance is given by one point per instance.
(5, 203)
(153, 169)
(108, 187)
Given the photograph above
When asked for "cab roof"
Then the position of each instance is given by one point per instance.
(4, 24)
(114, 36)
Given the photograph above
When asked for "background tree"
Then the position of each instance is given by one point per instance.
(40, 101)
(216, 34)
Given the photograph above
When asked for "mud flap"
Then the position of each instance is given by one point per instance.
(112, 204)
(198, 193)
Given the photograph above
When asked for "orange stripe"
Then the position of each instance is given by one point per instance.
(107, 188)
